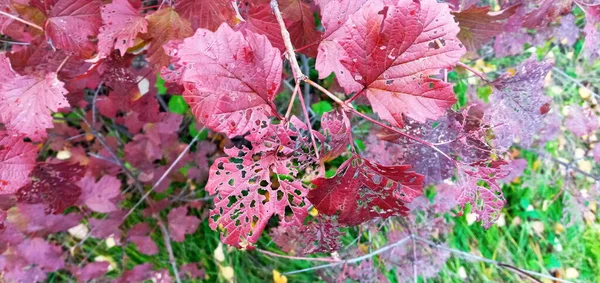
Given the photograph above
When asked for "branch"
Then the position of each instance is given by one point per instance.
(578, 83)
(298, 257)
(167, 240)
(298, 75)
(529, 274)
(21, 20)
(353, 260)
(566, 165)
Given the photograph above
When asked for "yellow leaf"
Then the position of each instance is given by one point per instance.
(313, 212)
(536, 165)
(218, 254)
(227, 272)
(585, 93)
(278, 278)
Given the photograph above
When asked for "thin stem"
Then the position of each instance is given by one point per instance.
(353, 260)
(21, 20)
(414, 262)
(164, 175)
(15, 42)
(94, 106)
(309, 125)
(62, 64)
(322, 259)
(578, 83)
(288, 43)
(167, 240)
(289, 109)
(474, 72)
(529, 274)
(326, 92)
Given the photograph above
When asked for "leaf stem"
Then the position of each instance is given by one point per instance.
(21, 20)
(167, 239)
(298, 75)
(323, 259)
(474, 72)
(291, 104)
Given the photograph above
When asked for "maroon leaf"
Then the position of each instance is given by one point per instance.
(362, 190)
(191, 271)
(230, 80)
(92, 270)
(518, 104)
(26, 102)
(320, 235)
(98, 196)
(546, 12)
(206, 14)
(478, 25)
(181, 224)
(163, 26)
(17, 159)
(139, 273)
(122, 24)
(67, 14)
(34, 219)
(139, 235)
(54, 185)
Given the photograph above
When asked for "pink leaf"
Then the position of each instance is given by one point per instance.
(230, 80)
(17, 159)
(338, 134)
(181, 224)
(362, 190)
(71, 23)
(519, 104)
(592, 32)
(26, 102)
(122, 24)
(34, 219)
(98, 196)
(581, 122)
(92, 270)
(478, 25)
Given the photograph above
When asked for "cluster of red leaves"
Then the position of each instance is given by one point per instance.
(82, 83)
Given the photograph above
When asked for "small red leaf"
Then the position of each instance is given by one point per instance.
(122, 24)
(181, 224)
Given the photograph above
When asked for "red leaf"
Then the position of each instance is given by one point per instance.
(206, 14)
(247, 197)
(391, 52)
(516, 104)
(478, 25)
(98, 196)
(181, 224)
(122, 24)
(71, 24)
(53, 185)
(362, 190)
(546, 12)
(17, 159)
(230, 80)
(26, 102)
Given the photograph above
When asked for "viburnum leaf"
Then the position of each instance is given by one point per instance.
(26, 102)
(592, 31)
(31, 260)
(581, 122)
(519, 104)
(546, 12)
(247, 195)
(54, 185)
(320, 235)
(363, 190)
(92, 270)
(35, 220)
(486, 201)
(478, 25)
(230, 79)
(98, 196)
(206, 14)
(71, 24)
(139, 273)
(391, 52)
(181, 224)
(122, 23)
(163, 26)
(338, 134)
(139, 235)
(17, 159)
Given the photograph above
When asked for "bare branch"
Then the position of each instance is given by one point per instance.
(21, 20)
(298, 75)
(322, 259)
(167, 239)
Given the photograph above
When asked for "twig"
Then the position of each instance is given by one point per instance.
(474, 72)
(94, 106)
(309, 125)
(529, 274)
(21, 20)
(566, 76)
(294, 92)
(566, 165)
(63, 63)
(298, 75)
(414, 262)
(353, 260)
(167, 240)
(323, 259)
(164, 175)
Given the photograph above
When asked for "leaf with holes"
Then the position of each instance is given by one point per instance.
(363, 190)
(230, 80)
(249, 187)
